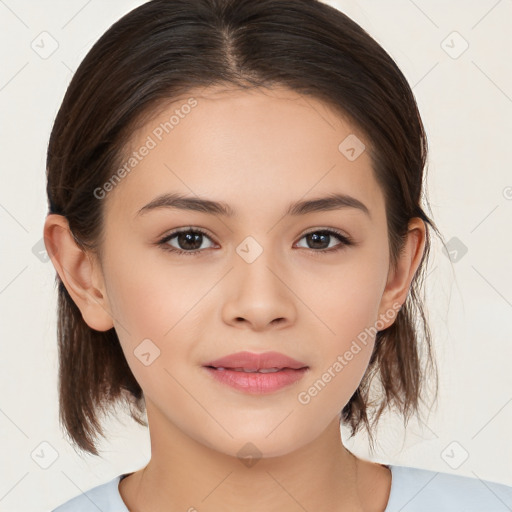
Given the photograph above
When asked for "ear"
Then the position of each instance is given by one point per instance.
(79, 271)
(399, 279)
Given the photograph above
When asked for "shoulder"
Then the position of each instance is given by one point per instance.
(104, 497)
(422, 490)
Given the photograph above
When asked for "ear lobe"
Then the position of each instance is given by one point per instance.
(79, 272)
(399, 279)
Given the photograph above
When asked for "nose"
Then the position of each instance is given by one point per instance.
(258, 296)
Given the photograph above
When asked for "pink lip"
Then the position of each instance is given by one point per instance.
(290, 371)
(250, 360)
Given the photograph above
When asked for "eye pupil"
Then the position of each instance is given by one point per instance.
(189, 237)
(317, 238)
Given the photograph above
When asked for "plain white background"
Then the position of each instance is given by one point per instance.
(465, 98)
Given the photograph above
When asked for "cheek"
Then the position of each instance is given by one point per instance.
(343, 356)
(151, 296)
(157, 320)
(346, 297)
(348, 306)
(159, 314)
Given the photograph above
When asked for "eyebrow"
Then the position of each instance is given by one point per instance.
(321, 204)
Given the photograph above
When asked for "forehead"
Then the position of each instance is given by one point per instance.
(248, 148)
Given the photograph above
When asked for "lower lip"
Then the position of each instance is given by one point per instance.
(257, 383)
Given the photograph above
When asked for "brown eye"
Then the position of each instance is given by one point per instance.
(188, 241)
(321, 240)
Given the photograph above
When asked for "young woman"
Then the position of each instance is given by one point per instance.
(235, 218)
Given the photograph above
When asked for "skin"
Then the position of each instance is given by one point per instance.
(257, 151)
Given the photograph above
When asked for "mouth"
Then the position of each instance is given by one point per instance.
(256, 381)
(256, 362)
(256, 374)
(253, 370)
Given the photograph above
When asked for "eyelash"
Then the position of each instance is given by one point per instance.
(345, 241)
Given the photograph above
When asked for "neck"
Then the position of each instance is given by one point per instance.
(184, 474)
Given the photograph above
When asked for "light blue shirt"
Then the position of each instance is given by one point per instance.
(412, 490)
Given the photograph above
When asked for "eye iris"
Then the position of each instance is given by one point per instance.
(190, 241)
(317, 238)
(189, 237)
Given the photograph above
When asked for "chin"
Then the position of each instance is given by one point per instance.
(255, 446)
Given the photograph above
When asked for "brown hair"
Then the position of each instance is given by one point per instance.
(163, 49)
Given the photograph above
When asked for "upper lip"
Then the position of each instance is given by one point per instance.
(254, 361)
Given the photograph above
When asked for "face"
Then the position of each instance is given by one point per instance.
(308, 284)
